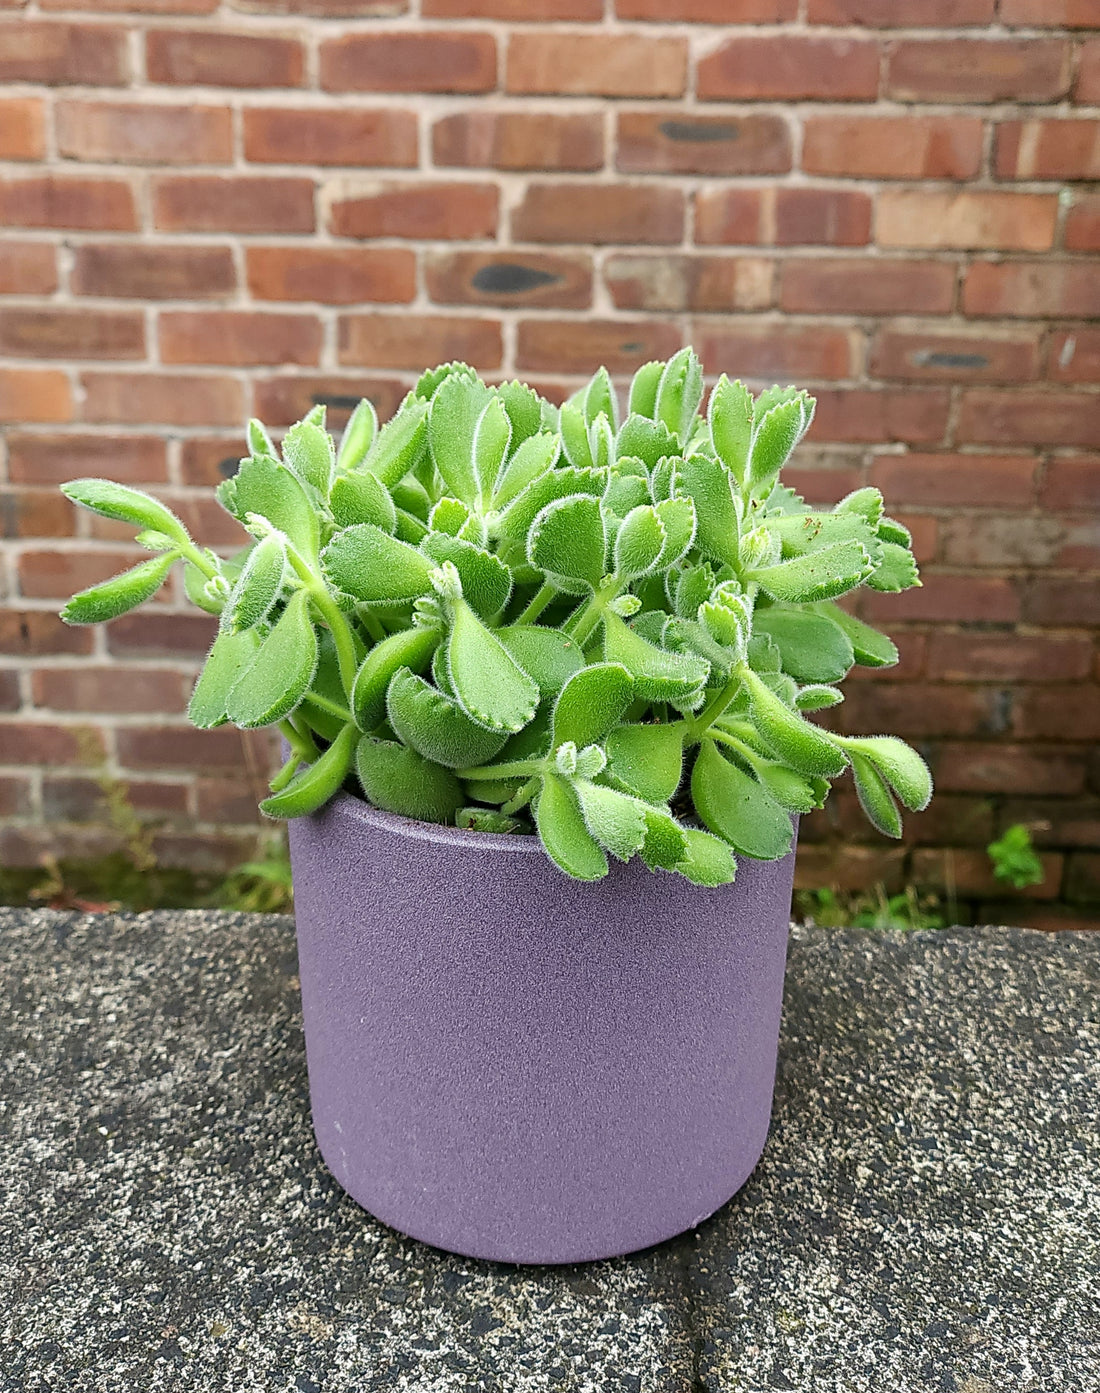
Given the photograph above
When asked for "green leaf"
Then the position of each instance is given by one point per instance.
(492, 437)
(647, 759)
(411, 648)
(707, 860)
(800, 744)
(358, 436)
(436, 727)
(896, 571)
(398, 780)
(819, 575)
(516, 519)
(489, 684)
(646, 440)
(533, 458)
(399, 445)
(574, 436)
(362, 497)
(486, 580)
(790, 789)
(774, 439)
(314, 785)
(643, 389)
(524, 410)
(813, 648)
(591, 704)
(627, 488)
(717, 510)
(679, 393)
(803, 532)
(123, 504)
(310, 452)
(231, 654)
(563, 833)
(677, 517)
(640, 540)
(475, 819)
(281, 670)
(616, 820)
(875, 797)
(376, 568)
(730, 419)
(430, 381)
(658, 675)
(258, 586)
(901, 766)
(737, 808)
(665, 845)
(259, 441)
(599, 399)
(871, 648)
(264, 486)
(548, 656)
(456, 409)
(817, 697)
(123, 592)
(568, 541)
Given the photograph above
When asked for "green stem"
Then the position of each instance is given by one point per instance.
(698, 725)
(332, 615)
(285, 774)
(515, 769)
(522, 797)
(301, 742)
(373, 625)
(325, 703)
(581, 627)
(543, 597)
(198, 560)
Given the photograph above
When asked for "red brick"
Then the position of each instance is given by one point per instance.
(686, 142)
(33, 50)
(979, 70)
(211, 203)
(421, 60)
(1071, 483)
(142, 7)
(1062, 600)
(144, 132)
(918, 710)
(706, 284)
(1083, 878)
(129, 270)
(55, 575)
(707, 11)
(15, 796)
(988, 768)
(824, 479)
(955, 599)
(144, 635)
(846, 869)
(216, 58)
(542, 279)
(415, 340)
(955, 481)
(206, 460)
(789, 67)
(226, 801)
(164, 398)
(581, 346)
(83, 800)
(35, 513)
(971, 219)
(34, 394)
(27, 742)
(28, 268)
(596, 64)
(953, 355)
(1083, 225)
(893, 147)
(886, 14)
(322, 9)
(776, 350)
(239, 338)
(865, 285)
(22, 128)
(52, 459)
(991, 657)
(925, 533)
(1052, 822)
(110, 690)
(783, 216)
(1058, 713)
(71, 333)
(1074, 355)
(528, 11)
(1055, 14)
(54, 200)
(735, 215)
(282, 400)
(969, 873)
(1086, 90)
(332, 275)
(600, 213)
(35, 633)
(1032, 542)
(313, 135)
(180, 747)
(456, 212)
(916, 414)
(1047, 150)
(1045, 418)
(1031, 289)
(518, 140)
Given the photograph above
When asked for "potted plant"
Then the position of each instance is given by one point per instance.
(543, 679)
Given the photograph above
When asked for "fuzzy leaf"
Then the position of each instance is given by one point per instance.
(310, 452)
(791, 790)
(492, 437)
(358, 436)
(435, 726)
(730, 419)
(568, 541)
(679, 392)
(647, 759)
(640, 540)
(599, 399)
(871, 648)
(486, 580)
(737, 808)
(817, 697)
(647, 440)
(314, 785)
(774, 439)
(562, 830)
(533, 458)
(643, 389)
(515, 521)
(121, 593)
(875, 797)
(123, 504)
(266, 487)
(259, 441)
(813, 648)
(627, 488)
(280, 672)
(574, 436)
(411, 648)
(524, 410)
(797, 742)
(226, 661)
(474, 819)
(820, 575)
(258, 586)
(717, 511)
(677, 517)
(398, 780)
(362, 497)
(802, 532)
(591, 704)
(616, 820)
(452, 427)
(548, 656)
(901, 766)
(488, 683)
(658, 675)
(376, 568)
(896, 571)
(399, 445)
(707, 860)
(665, 844)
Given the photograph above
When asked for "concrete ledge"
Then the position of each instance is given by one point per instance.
(926, 1215)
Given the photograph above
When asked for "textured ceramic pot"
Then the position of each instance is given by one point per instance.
(510, 1064)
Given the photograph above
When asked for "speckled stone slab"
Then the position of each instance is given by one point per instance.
(926, 1215)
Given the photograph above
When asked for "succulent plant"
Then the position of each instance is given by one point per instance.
(504, 616)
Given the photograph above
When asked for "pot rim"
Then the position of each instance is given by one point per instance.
(518, 843)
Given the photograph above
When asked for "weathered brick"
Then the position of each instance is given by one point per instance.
(159, 747)
(485, 139)
(206, 460)
(421, 60)
(217, 58)
(22, 128)
(51, 574)
(776, 350)
(83, 800)
(893, 147)
(969, 873)
(210, 203)
(528, 11)
(204, 517)
(978, 70)
(56, 200)
(823, 478)
(27, 268)
(283, 399)
(1074, 355)
(35, 512)
(129, 270)
(955, 599)
(543, 279)
(919, 710)
(1082, 233)
(450, 211)
(1071, 483)
(144, 635)
(685, 142)
(51, 52)
(847, 869)
(225, 800)
(1045, 418)
(1052, 821)
(109, 690)
(596, 64)
(40, 742)
(142, 398)
(956, 481)
(144, 132)
(1062, 600)
(953, 355)
(581, 346)
(707, 11)
(789, 67)
(992, 657)
(15, 795)
(1058, 713)
(332, 275)
(1086, 90)
(1047, 149)
(239, 337)
(322, 9)
(381, 136)
(866, 285)
(51, 459)
(72, 333)
(590, 212)
(1030, 289)
(140, 7)
(886, 14)
(413, 340)
(1083, 878)
(1056, 14)
(961, 767)
(35, 633)
(970, 219)
(706, 284)
(35, 394)
(783, 216)
(916, 414)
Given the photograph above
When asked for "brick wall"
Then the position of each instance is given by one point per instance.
(219, 209)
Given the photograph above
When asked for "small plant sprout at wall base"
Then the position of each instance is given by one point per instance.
(610, 629)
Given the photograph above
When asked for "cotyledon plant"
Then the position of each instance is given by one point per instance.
(504, 616)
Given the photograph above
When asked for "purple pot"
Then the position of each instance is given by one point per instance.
(510, 1064)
